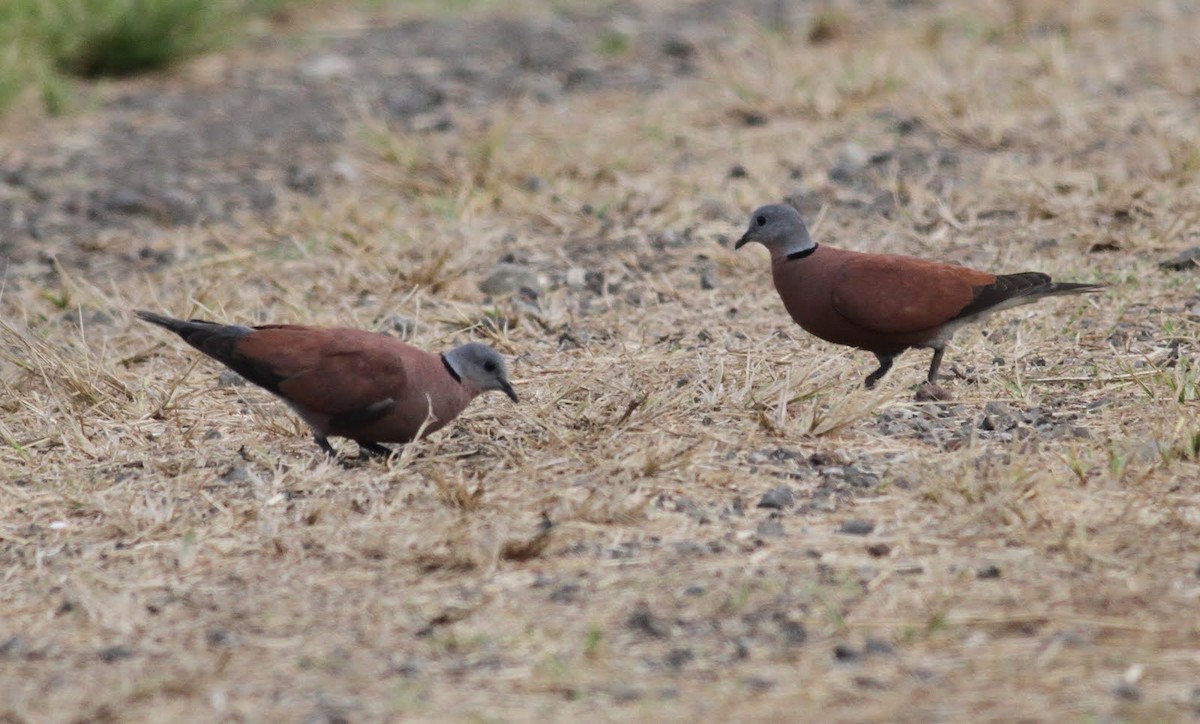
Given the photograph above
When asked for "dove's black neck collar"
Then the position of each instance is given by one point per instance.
(802, 253)
(451, 370)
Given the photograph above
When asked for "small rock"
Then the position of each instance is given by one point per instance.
(695, 591)
(218, 637)
(326, 67)
(708, 277)
(1184, 260)
(533, 184)
(115, 653)
(679, 658)
(594, 281)
(677, 46)
(758, 684)
(229, 378)
(508, 278)
(770, 528)
(12, 647)
(689, 506)
(643, 621)
(859, 478)
(303, 179)
(989, 571)
(580, 77)
(575, 278)
(1127, 691)
(850, 160)
(407, 102)
(126, 201)
(857, 526)
(794, 633)
(624, 694)
(879, 550)
(261, 197)
(737, 171)
(780, 498)
(345, 170)
(566, 593)
(846, 653)
(236, 474)
(751, 118)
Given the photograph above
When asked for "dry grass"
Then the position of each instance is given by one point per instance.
(174, 548)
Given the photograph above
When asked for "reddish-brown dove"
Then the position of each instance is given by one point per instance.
(365, 386)
(884, 303)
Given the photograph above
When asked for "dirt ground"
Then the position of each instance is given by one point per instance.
(696, 511)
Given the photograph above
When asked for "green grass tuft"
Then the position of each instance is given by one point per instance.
(48, 41)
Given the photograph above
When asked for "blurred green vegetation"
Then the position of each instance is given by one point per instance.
(43, 43)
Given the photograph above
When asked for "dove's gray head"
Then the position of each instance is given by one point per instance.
(779, 228)
(482, 366)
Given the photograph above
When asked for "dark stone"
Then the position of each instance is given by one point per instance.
(1184, 260)
(12, 647)
(846, 653)
(645, 622)
(1127, 691)
(236, 474)
(216, 636)
(857, 527)
(989, 571)
(1188, 258)
(752, 118)
(679, 658)
(794, 633)
(229, 378)
(757, 684)
(677, 46)
(303, 180)
(879, 550)
(407, 102)
(780, 498)
(907, 125)
(860, 478)
(115, 653)
(566, 593)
